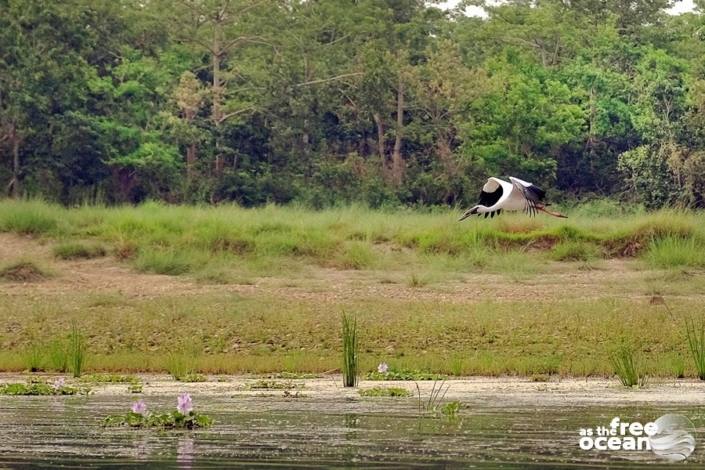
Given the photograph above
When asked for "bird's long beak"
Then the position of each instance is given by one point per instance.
(468, 213)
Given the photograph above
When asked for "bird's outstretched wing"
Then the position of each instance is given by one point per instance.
(533, 195)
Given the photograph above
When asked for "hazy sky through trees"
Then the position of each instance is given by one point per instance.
(681, 6)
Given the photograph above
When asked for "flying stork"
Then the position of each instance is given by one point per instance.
(498, 195)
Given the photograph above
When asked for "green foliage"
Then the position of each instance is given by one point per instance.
(167, 420)
(389, 104)
(385, 392)
(350, 350)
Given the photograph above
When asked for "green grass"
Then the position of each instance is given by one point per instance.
(385, 392)
(289, 322)
(203, 241)
(79, 250)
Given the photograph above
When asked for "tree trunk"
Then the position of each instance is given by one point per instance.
(13, 187)
(217, 96)
(380, 136)
(397, 160)
(191, 156)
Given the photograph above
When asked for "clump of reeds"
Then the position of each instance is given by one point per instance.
(350, 351)
(625, 364)
(696, 344)
(77, 351)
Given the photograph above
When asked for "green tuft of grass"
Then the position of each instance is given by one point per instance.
(79, 250)
(385, 392)
(172, 262)
(58, 356)
(28, 217)
(356, 255)
(574, 251)
(672, 252)
(627, 367)
(23, 271)
(350, 350)
(34, 358)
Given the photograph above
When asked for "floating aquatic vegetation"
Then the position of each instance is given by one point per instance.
(385, 392)
(184, 417)
(57, 387)
(390, 373)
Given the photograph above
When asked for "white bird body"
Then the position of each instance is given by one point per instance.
(514, 195)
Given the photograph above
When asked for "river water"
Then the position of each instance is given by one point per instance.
(274, 431)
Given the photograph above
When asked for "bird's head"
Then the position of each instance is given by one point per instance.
(468, 213)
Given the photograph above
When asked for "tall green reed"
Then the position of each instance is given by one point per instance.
(350, 351)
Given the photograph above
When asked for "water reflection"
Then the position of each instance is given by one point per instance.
(184, 452)
(315, 432)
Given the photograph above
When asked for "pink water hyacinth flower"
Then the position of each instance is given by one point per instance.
(139, 407)
(184, 403)
(58, 383)
(382, 368)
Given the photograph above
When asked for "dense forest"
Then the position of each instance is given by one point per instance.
(382, 102)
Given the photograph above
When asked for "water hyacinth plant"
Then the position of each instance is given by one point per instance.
(385, 372)
(184, 417)
(350, 351)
